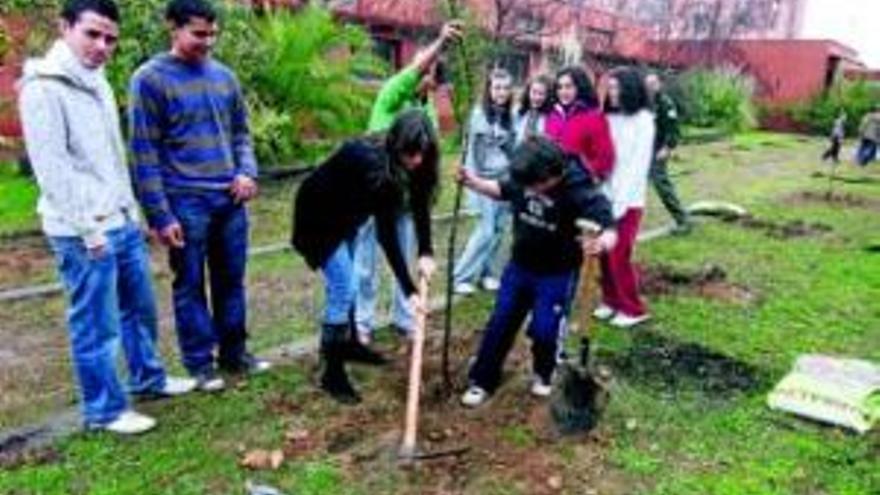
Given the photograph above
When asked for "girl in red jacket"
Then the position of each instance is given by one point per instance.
(578, 125)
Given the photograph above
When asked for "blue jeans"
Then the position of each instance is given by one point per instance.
(215, 231)
(867, 152)
(110, 298)
(367, 273)
(339, 284)
(481, 255)
(547, 298)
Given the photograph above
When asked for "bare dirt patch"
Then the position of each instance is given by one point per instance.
(784, 231)
(847, 200)
(24, 260)
(709, 282)
(675, 366)
(508, 443)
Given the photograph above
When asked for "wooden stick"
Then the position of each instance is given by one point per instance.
(410, 427)
(587, 282)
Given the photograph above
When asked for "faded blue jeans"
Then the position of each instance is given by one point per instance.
(215, 232)
(481, 255)
(366, 261)
(339, 284)
(110, 299)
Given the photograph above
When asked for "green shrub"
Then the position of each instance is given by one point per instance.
(297, 70)
(310, 73)
(856, 98)
(719, 98)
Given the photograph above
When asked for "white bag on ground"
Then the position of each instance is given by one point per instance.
(843, 392)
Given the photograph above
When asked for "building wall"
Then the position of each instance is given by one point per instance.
(10, 71)
(785, 71)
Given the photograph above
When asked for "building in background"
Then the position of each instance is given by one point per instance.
(757, 36)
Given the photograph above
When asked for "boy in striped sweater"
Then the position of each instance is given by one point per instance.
(195, 171)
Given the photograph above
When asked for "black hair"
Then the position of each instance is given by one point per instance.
(412, 132)
(493, 113)
(633, 92)
(525, 104)
(181, 12)
(441, 73)
(536, 160)
(73, 9)
(586, 93)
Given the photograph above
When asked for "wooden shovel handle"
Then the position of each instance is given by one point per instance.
(587, 282)
(410, 427)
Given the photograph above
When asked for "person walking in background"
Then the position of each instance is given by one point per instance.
(869, 131)
(89, 213)
(667, 135)
(838, 133)
(413, 87)
(490, 142)
(535, 105)
(627, 105)
(376, 177)
(578, 125)
(196, 172)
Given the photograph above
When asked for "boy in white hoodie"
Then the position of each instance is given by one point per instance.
(89, 214)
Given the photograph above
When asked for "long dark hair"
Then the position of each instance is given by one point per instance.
(494, 113)
(525, 102)
(412, 132)
(633, 92)
(586, 93)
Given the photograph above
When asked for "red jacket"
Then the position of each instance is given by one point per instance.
(583, 131)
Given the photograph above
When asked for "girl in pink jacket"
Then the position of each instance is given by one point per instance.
(578, 125)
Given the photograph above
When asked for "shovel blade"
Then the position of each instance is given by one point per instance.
(579, 401)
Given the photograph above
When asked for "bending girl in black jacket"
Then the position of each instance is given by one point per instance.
(373, 176)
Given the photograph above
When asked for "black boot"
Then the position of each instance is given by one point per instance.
(357, 352)
(334, 379)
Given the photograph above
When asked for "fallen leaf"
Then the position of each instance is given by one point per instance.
(555, 482)
(263, 459)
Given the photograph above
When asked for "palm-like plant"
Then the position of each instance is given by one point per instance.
(311, 69)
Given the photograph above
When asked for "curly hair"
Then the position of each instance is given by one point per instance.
(633, 92)
(586, 92)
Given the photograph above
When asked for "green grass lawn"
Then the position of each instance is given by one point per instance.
(18, 203)
(664, 433)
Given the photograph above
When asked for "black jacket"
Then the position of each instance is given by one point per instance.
(545, 228)
(352, 185)
(666, 119)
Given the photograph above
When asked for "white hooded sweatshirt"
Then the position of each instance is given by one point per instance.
(74, 142)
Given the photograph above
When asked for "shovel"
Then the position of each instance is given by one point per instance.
(408, 451)
(580, 399)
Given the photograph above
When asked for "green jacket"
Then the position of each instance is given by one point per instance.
(396, 95)
(666, 119)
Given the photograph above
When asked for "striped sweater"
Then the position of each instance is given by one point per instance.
(189, 132)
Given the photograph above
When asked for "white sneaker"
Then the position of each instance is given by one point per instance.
(465, 289)
(621, 320)
(210, 382)
(603, 312)
(541, 389)
(364, 336)
(474, 397)
(130, 423)
(175, 386)
(491, 284)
